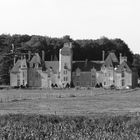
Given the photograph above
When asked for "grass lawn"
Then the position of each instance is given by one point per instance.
(96, 114)
(69, 102)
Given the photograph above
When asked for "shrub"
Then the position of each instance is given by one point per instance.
(33, 127)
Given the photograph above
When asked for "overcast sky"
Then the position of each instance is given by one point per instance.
(81, 19)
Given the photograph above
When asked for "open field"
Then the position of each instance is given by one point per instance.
(69, 102)
(95, 114)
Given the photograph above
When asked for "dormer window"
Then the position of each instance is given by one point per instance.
(36, 65)
(24, 66)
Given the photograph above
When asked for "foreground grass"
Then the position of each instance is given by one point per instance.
(43, 127)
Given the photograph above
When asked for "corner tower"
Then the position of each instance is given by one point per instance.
(65, 64)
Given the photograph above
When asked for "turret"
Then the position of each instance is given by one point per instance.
(65, 64)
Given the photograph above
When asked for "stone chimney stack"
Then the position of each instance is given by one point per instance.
(120, 58)
(103, 55)
(29, 55)
(14, 59)
(43, 55)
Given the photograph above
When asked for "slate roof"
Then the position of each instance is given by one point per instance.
(52, 64)
(111, 60)
(36, 59)
(16, 67)
(86, 65)
(124, 65)
(66, 50)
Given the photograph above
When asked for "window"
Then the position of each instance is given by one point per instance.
(65, 78)
(77, 83)
(24, 66)
(36, 65)
(18, 82)
(123, 82)
(65, 65)
(65, 72)
(123, 74)
(23, 74)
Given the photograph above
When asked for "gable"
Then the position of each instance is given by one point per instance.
(54, 65)
(124, 66)
(35, 59)
(16, 67)
(111, 60)
(23, 63)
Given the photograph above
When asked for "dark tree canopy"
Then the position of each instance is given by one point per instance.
(82, 49)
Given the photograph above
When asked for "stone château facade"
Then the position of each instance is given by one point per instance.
(65, 72)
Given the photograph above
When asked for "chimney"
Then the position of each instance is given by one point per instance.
(14, 59)
(120, 58)
(43, 55)
(29, 55)
(103, 55)
(13, 47)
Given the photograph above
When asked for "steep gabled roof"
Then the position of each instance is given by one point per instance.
(54, 65)
(124, 65)
(16, 67)
(111, 60)
(19, 65)
(36, 59)
(86, 65)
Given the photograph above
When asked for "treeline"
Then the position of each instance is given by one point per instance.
(82, 49)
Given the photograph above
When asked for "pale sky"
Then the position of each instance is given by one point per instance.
(81, 19)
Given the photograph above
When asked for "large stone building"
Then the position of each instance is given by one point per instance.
(65, 72)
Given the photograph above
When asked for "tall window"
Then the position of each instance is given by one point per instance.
(18, 80)
(65, 65)
(65, 72)
(123, 74)
(23, 74)
(123, 82)
(65, 78)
